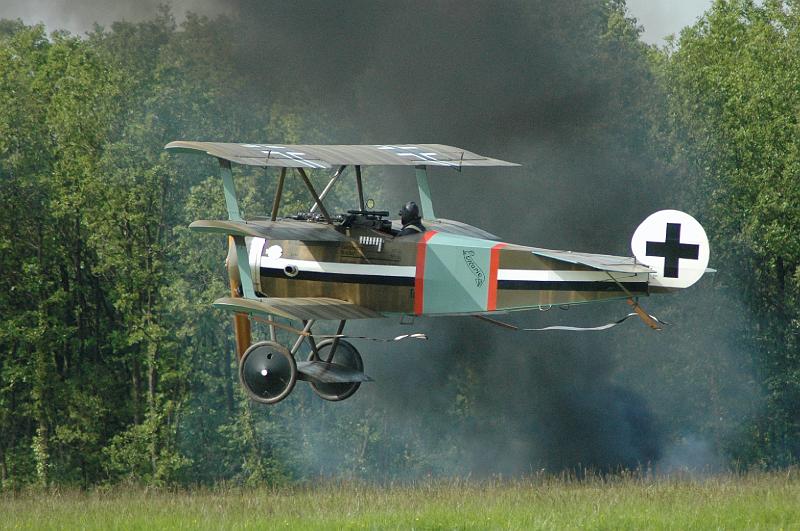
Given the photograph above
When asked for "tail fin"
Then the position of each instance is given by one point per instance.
(674, 245)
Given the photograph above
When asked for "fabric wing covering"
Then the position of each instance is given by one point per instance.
(327, 156)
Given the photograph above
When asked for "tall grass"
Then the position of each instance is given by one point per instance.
(747, 501)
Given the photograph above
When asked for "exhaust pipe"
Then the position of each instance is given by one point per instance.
(291, 270)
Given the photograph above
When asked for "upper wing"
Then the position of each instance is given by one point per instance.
(327, 156)
(299, 308)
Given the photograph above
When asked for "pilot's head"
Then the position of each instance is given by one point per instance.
(409, 213)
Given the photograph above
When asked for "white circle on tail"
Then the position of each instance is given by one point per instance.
(674, 245)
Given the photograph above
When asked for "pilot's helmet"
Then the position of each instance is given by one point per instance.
(409, 212)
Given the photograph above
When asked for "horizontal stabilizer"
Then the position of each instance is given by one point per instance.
(297, 308)
(320, 371)
(603, 262)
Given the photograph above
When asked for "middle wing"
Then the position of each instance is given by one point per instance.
(273, 230)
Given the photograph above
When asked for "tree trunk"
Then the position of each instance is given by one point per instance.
(3, 468)
(151, 382)
(151, 402)
(228, 382)
(136, 382)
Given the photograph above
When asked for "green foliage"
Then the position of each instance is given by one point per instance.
(96, 383)
(733, 120)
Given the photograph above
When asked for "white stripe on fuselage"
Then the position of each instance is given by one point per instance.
(410, 271)
(568, 276)
(340, 268)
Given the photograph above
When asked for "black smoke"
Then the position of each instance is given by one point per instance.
(531, 82)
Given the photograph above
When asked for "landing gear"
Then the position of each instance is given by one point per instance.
(342, 357)
(268, 372)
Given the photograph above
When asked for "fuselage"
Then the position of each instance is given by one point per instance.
(452, 268)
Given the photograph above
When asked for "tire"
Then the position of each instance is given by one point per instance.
(346, 354)
(267, 372)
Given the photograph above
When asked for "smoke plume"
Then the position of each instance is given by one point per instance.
(524, 83)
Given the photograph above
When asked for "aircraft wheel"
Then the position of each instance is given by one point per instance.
(268, 372)
(347, 355)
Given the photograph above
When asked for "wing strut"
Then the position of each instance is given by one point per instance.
(329, 186)
(278, 193)
(360, 187)
(313, 192)
(424, 192)
(230, 190)
(241, 325)
(242, 332)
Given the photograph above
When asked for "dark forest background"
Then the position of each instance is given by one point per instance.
(114, 367)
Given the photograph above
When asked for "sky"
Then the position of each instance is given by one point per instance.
(660, 18)
(78, 16)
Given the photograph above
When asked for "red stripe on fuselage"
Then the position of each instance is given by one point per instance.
(419, 277)
(494, 265)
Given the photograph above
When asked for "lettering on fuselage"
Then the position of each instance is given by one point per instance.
(469, 258)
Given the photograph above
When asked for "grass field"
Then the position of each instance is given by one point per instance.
(753, 501)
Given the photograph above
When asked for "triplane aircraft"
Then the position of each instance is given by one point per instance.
(318, 266)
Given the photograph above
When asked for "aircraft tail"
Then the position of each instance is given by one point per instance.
(675, 246)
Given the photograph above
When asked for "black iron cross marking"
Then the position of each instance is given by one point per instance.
(672, 249)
